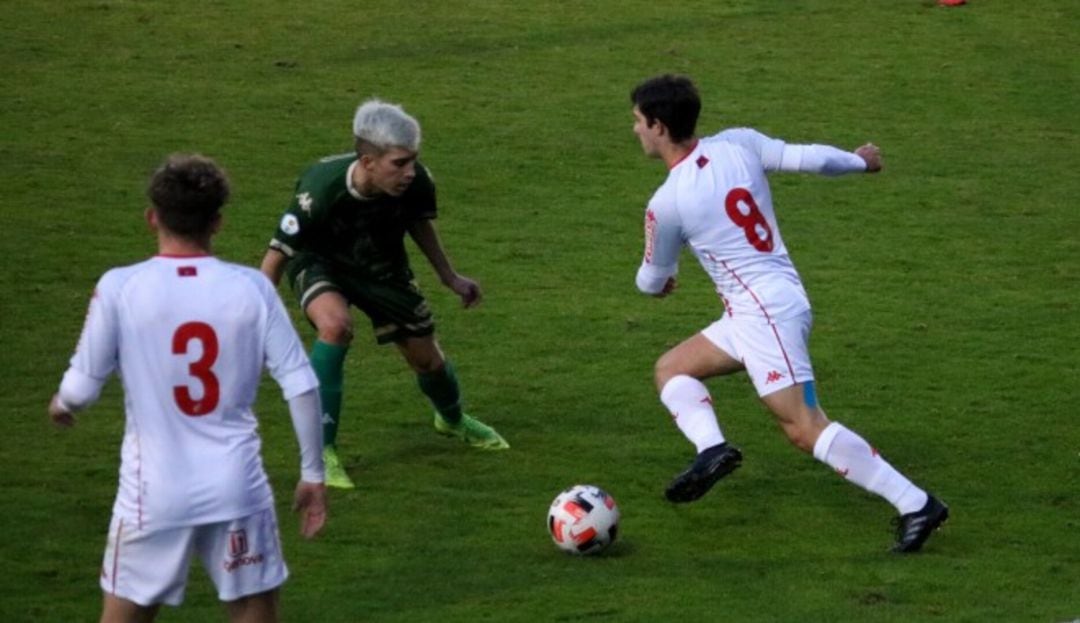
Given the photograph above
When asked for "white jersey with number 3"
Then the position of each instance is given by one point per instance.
(716, 201)
(189, 337)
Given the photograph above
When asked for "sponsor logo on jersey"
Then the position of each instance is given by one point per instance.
(187, 271)
(290, 224)
(650, 232)
(701, 162)
(773, 377)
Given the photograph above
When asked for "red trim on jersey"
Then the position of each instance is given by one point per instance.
(742, 283)
(685, 156)
(779, 342)
(185, 256)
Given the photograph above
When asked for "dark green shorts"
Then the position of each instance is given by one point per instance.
(396, 307)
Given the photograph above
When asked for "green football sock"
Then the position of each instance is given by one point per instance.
(328, 360)
(441, 388)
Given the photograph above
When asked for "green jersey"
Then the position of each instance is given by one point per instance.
(356, 236)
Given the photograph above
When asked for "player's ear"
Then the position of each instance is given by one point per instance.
(151, 218)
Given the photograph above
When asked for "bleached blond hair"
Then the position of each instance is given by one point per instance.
(384, 125)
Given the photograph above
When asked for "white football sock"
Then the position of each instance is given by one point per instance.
(691, 407)
(856, 460)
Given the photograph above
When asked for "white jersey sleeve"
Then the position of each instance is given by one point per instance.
(776, 155)
(95, 357)
(663, 243)
(306, 412)
(286, 359)
(288, 364)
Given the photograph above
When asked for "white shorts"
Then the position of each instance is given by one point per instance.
(242, 557)
(775, 355)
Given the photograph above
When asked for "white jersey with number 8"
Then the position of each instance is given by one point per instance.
(717, 201)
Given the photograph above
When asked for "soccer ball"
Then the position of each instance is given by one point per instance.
(583, 520)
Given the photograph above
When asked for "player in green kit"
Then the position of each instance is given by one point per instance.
(341, 244)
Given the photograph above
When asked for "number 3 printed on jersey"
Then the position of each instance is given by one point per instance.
(753, 223)
(200, 369)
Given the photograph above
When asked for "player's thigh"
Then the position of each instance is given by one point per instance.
(397, 309)
(323, 296)
(258, 608)
(329, 313)
(119, 610)
(146, 567)
(243, 556)
(697, 356)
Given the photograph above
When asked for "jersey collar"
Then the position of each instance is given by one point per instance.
(349, 185)
(693, 148)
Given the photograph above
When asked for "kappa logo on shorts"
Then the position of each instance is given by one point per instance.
(773, 377)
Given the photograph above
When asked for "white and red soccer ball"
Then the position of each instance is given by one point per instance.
(583, 520)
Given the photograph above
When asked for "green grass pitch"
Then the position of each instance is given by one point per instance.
(946, 294)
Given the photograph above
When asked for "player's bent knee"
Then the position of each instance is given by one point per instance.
(665, 369)
(801, 437)
(803, 432)
(425, 362)
(335, 330)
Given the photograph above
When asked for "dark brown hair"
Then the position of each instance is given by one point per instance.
(188, 192)
(672, 100)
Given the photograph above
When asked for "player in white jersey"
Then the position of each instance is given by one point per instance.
(716, 201)
(189, 335)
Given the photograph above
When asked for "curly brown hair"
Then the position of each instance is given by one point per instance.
(188, 192)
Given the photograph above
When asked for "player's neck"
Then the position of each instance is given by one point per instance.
(174, 246)
(674, 153)
(361, 185)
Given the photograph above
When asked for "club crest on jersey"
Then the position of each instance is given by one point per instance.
(290, 224)
(650, 232)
